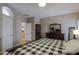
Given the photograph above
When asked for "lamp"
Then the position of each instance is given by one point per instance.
(76, 32)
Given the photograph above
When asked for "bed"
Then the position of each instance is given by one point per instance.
(40, 47)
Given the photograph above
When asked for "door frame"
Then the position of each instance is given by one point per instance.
(69, 33)
(11, 34)
(10, 16)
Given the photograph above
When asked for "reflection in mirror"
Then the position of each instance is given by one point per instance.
(55, 27)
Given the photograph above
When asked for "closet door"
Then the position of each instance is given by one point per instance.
(28, 31)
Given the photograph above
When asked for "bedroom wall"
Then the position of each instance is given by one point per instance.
(68, 20)
(0, 23)
(18, 19)
(0, 30)
(37, 20)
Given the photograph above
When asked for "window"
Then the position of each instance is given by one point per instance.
(5, 11)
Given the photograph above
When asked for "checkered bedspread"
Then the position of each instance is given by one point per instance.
(40, 47)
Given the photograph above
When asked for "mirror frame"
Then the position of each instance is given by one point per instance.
(54, 24)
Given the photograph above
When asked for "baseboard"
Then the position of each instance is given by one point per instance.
(17, 46)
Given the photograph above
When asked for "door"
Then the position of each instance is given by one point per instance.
(38, 31)
(71, 35)
(28, 31)
(7, 40)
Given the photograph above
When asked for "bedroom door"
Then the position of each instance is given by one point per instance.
(28, 31)
(38, 31)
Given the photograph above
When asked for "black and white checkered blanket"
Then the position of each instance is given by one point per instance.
(40, 47)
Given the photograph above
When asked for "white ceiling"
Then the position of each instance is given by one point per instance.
(51, 9)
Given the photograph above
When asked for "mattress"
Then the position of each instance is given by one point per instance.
(40, 47)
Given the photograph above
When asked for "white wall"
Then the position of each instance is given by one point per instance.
(0, 31)
(37, 20)
(0, 25)
(66, 21)
(18, 19)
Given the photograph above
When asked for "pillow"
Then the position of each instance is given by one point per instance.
(72, 46)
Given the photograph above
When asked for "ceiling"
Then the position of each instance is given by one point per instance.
(51, 9)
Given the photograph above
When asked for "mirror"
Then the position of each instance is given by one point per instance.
(55, 27)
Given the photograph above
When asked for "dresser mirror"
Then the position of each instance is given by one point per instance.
(55, 27)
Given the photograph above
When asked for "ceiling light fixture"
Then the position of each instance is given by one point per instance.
(42, 4)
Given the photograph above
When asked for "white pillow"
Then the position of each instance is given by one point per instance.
(72, 46)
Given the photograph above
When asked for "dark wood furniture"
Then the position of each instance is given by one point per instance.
(38, 31)
(55, 35)
(55, 32)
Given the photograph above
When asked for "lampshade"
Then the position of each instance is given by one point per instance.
(76, 32)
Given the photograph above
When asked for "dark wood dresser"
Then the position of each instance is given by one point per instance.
(55, 35)
(55, 32)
